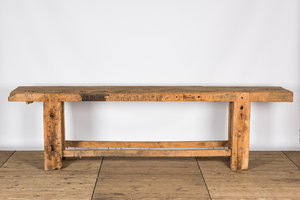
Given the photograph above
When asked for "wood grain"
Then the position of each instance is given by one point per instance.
(23, 177)
(147, 153)
(150, 178)
(52, 132)
(4, 155)
(104, 144)
(63, 136)
(230, 123)
(294, 156)
(271, 175)
(240, 129)
(150, 93)
(239, 99)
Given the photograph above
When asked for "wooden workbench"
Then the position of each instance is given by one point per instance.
(239, 99)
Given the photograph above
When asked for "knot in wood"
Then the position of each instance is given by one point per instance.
(52, 115)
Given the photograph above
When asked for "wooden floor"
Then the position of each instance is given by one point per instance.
(271, 175)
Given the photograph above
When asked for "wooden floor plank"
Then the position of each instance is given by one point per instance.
(4, 155)
(23, 177)
(150, 178)
(294, 156)
(271, 175)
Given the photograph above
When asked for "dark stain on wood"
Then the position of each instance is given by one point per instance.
(94, 96)
(188, 98)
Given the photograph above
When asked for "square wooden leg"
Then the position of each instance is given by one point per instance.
(63, 125)
(239, 128)
(230, 114)
(52, 132)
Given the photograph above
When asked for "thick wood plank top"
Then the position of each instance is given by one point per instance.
(150, 93)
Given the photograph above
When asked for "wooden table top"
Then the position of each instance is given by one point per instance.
(149, 93)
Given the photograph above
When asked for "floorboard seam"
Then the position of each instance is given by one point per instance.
(290, 159)
(203, 179)
(8, 158)
(97, 178)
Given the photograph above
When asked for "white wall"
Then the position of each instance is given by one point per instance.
(150, 42)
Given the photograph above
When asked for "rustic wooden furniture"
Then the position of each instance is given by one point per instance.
(239, 99)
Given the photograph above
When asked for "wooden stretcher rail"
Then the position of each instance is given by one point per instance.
(239, 99)
(147, 153)
(98, 144)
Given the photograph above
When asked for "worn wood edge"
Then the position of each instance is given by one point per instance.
(28, 94)
(170, 96)
(186, 96)
(271, 96)
(147, 153)
(41, 97)
(26, 97)
(228, 97)
(111, 144)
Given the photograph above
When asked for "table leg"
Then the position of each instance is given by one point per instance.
(240, 128)
(52, 132)
(63, 125)
(230, 114)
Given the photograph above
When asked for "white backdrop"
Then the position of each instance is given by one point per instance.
(150, 42)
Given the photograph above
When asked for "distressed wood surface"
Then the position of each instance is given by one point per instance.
(239, 99)
(150, 93)
(150, 178)
(240, 128)
(147, 153)
(23, 177)
(103, 144)
(53, 128)
(271, 175)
